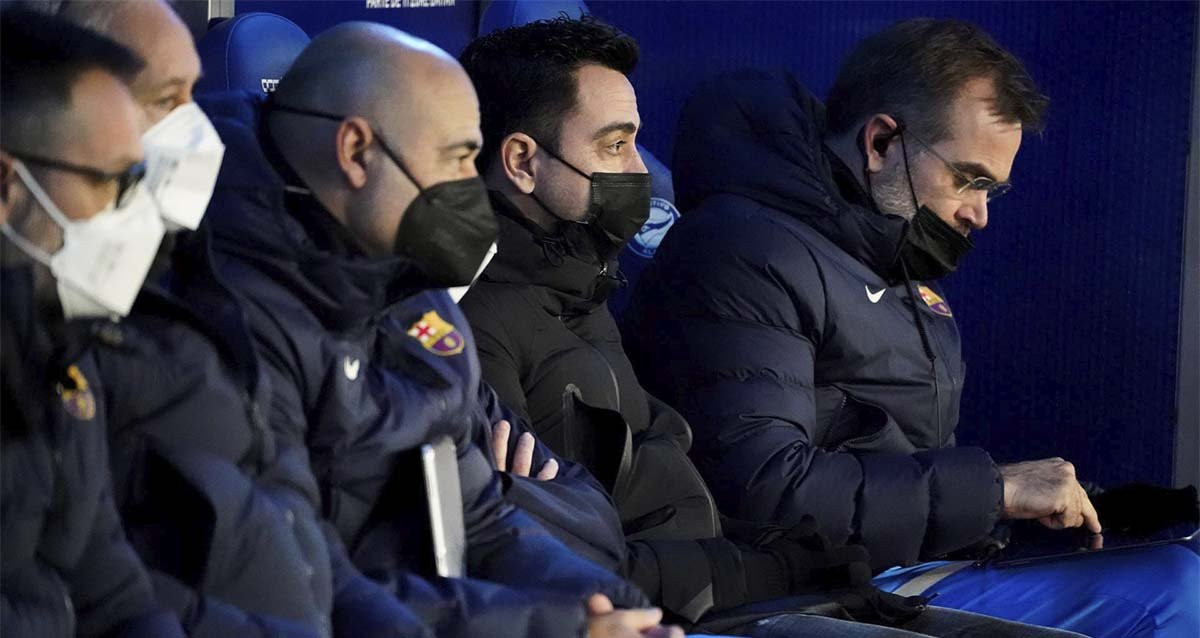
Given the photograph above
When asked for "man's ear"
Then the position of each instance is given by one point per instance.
(878, 135)
(516, 159)
(7, 177)
(353, 138)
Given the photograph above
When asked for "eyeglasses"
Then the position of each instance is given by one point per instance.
(993, 188)
(127, 180)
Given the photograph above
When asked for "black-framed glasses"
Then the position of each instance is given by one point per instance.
(127, 180)
(990, 186)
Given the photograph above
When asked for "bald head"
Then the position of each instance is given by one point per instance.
(406, 118)
(365, 69)
(152, 30)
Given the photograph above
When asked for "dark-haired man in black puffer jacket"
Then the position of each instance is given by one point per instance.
(570, 189)
(367, 356)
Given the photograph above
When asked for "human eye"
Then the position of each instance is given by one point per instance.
(615, 147)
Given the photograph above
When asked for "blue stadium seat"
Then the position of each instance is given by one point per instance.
(249, 52)
(450, 24)
(507, 13)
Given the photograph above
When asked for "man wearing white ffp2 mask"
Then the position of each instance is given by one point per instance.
(183, 157)
(103, 259)
(74, 202)
(183, 151)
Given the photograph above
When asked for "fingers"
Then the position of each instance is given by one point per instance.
(1053, 522)
(549, 470)
(500, 433)
(638, 619)
(523, 455)
(1091, 519)
(670, 631)
(599, 604)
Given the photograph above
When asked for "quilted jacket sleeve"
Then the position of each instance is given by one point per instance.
(734, 350)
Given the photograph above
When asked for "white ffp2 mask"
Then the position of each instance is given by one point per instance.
(183, 157)
(104, 259)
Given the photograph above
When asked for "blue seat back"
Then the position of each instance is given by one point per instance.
(249, 52)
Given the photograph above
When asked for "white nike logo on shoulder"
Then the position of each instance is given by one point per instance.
(350, 367)
(874, 297)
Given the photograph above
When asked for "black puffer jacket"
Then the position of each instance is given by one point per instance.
(66, 568)
(549, 346)
(774, 319)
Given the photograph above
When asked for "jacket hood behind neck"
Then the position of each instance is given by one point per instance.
(253, 218)
(759, 135)
(564, 262)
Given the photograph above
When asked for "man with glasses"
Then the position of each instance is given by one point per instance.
(79, 235)
(794, 317)
(216, 503)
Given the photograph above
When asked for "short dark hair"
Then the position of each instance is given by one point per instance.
(41, 59)
(915, 69)
(525, 75)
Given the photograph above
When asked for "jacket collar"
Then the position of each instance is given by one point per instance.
(562, 263)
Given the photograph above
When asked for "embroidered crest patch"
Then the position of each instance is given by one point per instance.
(935, 302)
(437, 335)
(78, 401)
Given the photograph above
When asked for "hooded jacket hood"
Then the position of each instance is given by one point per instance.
(759, 135)
(288, 236)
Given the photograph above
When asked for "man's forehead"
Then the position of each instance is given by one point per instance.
(978, 134)
(105, 123)
(440, 113)
(156, 34)
(604, 97)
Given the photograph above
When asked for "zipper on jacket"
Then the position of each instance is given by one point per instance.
(921, 330)
(259, 428)
(69, 605)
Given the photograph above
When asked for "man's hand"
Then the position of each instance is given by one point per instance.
(522, 456)
(1048, 491)
(604, 622)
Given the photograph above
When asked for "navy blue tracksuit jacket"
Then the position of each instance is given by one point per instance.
(761, 320)
(218, 504)
(340, 336)
(66, 567)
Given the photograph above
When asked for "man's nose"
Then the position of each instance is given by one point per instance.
(974, 213)
(637, 166)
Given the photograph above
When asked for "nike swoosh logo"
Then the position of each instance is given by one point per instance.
(874, 297)
(350, 367)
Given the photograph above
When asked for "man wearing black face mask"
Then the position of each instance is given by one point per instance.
(346, 204)
(794, 317)
(570, 189)
(559, 121)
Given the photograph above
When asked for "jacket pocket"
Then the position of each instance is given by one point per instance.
(867, 428)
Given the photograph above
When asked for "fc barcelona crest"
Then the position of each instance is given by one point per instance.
(437, 335)
(78, 401)
(935, 301)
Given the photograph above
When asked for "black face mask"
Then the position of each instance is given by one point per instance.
(618, 204)
(448, 230)
(932, 248)
(449, 227)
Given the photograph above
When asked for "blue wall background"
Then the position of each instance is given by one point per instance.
(1069, 305)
